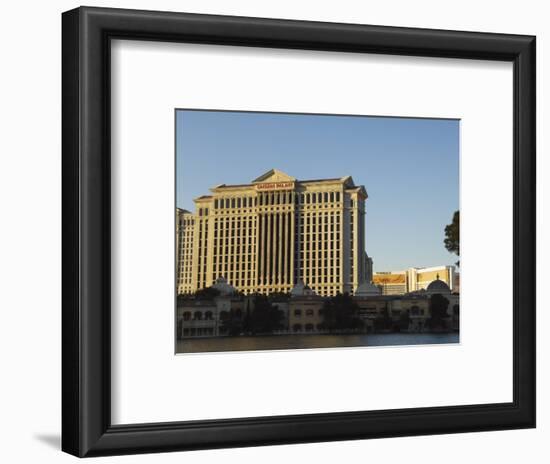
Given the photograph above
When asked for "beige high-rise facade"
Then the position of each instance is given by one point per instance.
(268, 235)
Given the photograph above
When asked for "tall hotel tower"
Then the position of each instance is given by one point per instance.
(269, 235)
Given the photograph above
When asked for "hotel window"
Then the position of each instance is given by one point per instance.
(297, 312)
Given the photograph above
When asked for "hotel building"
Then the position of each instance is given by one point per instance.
(414, 279)
(273, 233)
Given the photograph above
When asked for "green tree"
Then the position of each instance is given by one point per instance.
(232, 322)
(452, 235)
(383, 320)
(341, 313)
(279, 296)
(208, 293)
(438, 311)
(404, 320)
(182, 299)
(265, 318)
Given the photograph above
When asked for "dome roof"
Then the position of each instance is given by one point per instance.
(223, 287)
(438, 286)
(367, 289)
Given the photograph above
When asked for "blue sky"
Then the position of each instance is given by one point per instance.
(410, 168)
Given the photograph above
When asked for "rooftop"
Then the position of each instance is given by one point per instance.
(274, 175)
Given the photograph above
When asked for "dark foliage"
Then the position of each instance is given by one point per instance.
(341, 313)
(383, 321)
(438, 311)
(404, 320)
(208, 293)
(452, 235)
(264, 318)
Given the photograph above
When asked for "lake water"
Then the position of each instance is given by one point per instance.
(291, 342)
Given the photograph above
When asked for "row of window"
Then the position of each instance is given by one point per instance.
(302, 199)
(208, 315)
(306, 224)
(198, 331)
(232, 241)
(238, 246)
(198, 316)
(241, 278)
(308, 312)
(275, 198)
(242, 270)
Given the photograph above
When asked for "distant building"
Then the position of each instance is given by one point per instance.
(413, 279)
(456, 283)
(271, 234)
(391, 283)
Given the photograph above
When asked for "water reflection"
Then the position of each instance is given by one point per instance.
(290, 342)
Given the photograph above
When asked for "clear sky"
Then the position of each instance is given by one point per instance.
(410, 168)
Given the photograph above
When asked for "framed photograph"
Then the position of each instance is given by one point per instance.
(285, 231)
(281, 263)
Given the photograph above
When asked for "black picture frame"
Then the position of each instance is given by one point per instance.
(86, 379)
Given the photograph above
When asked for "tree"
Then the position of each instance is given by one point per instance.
(182, 299)
(340, 313)
(232, 322)
(262, 318)
(456, 316)
(383, 321)
(265, 318)
(208, 293)
(452, 235)
(438, 311)
(404, 320)
(279, 296)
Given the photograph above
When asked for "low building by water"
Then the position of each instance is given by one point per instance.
(206, 314)
(305, 310)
